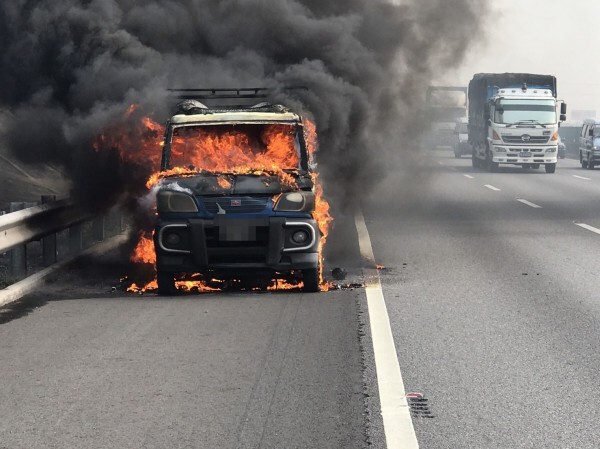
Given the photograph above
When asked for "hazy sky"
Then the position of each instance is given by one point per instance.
(556, 37)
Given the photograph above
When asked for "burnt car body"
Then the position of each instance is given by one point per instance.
(225, 222)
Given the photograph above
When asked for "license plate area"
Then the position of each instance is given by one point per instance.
(524, 154)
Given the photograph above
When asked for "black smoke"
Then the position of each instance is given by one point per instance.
(70, 68)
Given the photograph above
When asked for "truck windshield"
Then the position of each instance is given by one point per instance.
(542, 111)
(235, 148)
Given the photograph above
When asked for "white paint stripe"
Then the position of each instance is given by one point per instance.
(496, 189)
(582, 177)
(588, 227)
(469, 176)
(397, 422)
(440, 162)
(529, 203)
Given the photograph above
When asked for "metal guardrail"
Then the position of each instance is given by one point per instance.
(19, 227)
(24, 225)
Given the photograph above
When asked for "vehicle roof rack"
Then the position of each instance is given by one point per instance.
(230, 93)
(249, 99)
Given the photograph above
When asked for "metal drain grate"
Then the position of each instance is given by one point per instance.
(419, 405)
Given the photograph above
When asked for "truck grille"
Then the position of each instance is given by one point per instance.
(235, 205)
(531, 139)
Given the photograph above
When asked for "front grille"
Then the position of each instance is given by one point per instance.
(519, 139)
(235, 205)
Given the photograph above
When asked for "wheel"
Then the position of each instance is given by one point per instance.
(590, 163)
(535, 166)
(311, 278)
(474, 161)
(526, 166)
(457, 155)
(550, 168)
(491, 165)
(582, 162)
(166, 283)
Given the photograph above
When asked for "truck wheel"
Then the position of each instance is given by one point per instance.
(166, 283)
(535, 166)
(491, 165)
(550, 168)
(310, 278)
(590, 163)
(457, 155)
(526, 166)
(582, 162)
(474, 162)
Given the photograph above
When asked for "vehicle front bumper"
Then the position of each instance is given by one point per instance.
(516, 155)
(235, 243)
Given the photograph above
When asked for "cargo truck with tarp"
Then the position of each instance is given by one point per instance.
(514, 119)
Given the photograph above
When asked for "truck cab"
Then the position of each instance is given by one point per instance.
(524, 128)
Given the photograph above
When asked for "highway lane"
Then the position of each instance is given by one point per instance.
(222, 370)
(494, 303)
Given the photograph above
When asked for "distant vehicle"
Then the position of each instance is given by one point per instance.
(589, 144)
(569, 135)
(513, 120)
(445, 105)
(461, 139)
(562, 149)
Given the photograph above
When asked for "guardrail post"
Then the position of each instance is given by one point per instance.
(76, 238)
(18, 255)
(49, 242)
(98, 229)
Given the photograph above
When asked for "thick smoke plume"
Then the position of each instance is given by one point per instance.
(70, 68)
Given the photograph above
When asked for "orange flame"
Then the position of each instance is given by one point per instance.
(197, 149)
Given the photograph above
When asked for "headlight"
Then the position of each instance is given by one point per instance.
(500, 150)
(551, 150)
(296, 202)
(596, 148)
(171, 201)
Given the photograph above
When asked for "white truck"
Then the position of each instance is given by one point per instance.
(514, 119)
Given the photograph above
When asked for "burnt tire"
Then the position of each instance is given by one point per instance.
(550, 168)
(311, 279)
(166, 283)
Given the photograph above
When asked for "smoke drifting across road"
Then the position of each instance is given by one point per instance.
(70, 68)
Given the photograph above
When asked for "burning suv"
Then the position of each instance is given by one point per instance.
(236, 197)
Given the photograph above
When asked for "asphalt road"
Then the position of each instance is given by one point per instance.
(491, 289)
(494, 302)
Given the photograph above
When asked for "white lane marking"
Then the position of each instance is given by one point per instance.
(582, 177)
(397, 422)
(588, 227)
(440, 162)
(529, 203)
(469, 176)
(495, 189)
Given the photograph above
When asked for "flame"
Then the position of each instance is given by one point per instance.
(380, 267)
(321, 214)
(220, 150)
(137, 139)
(144, 250)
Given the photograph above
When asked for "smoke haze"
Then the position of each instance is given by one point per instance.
(71, 68)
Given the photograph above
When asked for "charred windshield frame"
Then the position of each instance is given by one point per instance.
(536, 111)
